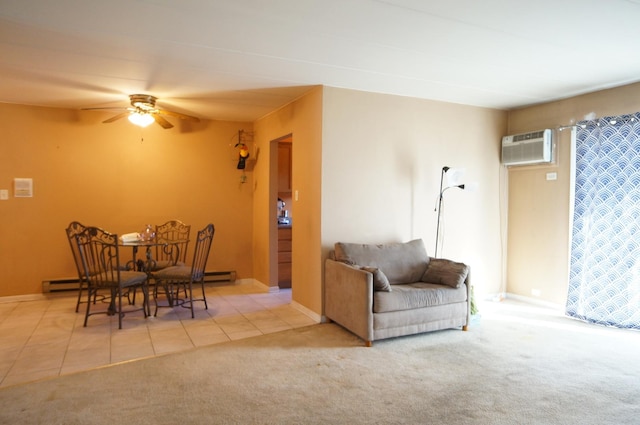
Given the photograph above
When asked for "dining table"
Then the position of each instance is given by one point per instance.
(135, 263)
(147, 263)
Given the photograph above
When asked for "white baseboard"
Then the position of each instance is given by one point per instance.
(528, 300)
(304, 310)
(270, 289)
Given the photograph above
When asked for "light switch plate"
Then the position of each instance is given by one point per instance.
(4, 194)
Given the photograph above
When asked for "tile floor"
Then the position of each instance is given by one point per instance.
(45, 337)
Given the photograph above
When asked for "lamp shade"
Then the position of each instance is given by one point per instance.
(141, 119)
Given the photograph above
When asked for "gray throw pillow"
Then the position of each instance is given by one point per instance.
(445, 272)
(380, 281)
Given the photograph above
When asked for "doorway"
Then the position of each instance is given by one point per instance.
(284, 209)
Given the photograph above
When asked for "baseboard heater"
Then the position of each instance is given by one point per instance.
(71, 284)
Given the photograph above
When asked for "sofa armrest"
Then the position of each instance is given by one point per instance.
(348, 298)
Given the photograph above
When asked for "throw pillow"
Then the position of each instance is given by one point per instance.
(380, 281)
(445, 272)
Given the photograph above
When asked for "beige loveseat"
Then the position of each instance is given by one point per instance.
(394, 289)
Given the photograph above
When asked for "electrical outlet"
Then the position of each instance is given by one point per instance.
(4, 194)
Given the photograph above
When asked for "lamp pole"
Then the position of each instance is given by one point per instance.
(441, 193)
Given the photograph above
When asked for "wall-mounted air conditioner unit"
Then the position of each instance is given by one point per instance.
(528, 148)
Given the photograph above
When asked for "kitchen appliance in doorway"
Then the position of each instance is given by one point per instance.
(283, 214)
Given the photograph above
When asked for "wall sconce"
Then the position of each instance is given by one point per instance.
(244, 153)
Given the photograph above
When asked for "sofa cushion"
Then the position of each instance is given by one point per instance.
(416, 295)
(445, 272)
(401, 262)
(380, 281)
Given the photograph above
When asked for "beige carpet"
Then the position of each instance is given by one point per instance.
(516, 365)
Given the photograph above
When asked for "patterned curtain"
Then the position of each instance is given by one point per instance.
(604, 278)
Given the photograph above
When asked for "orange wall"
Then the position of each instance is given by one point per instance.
(538, 222)
(119, 177)
(303, 120)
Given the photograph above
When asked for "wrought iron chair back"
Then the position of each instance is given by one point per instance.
(100, 260)
(173, 239)
(172, 280)
(201, 253)
(72, 231)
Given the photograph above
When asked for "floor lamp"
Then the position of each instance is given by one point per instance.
(441, 193)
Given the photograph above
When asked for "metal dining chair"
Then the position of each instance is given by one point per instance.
(173, 240)
(100, 265)
(74, 229)
(171, 280)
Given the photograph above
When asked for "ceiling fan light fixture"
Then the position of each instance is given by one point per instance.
(143, 112)
(141, 119)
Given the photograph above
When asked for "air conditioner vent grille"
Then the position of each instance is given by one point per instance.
(535, 147)
(528, 136)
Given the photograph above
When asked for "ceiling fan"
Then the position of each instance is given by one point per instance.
(143, 112)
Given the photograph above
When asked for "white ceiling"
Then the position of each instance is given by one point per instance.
(240, 59)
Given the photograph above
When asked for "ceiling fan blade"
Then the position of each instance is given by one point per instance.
(116, 117)
(113, 108)
(164, 123)
(177, 115)
(145, 105)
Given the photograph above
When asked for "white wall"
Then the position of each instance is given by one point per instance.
(381, 162)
